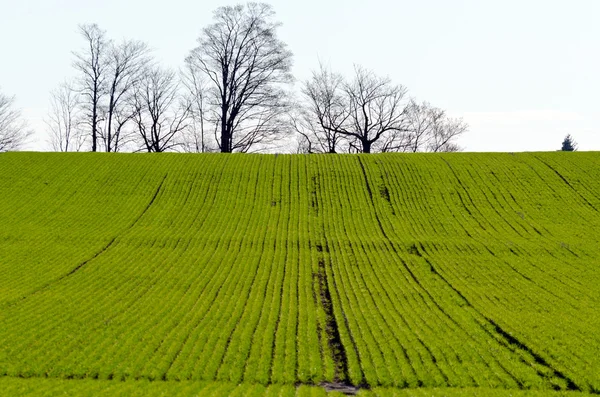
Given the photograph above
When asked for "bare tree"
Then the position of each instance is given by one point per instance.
(368, 111)
(124, 65)
(370, 114)
(445, 131)
(430, 129)
(64, 119)
(420, 121)
(247, 67)
(13, 129)
(322, 119)
(303, 145)
(196, 140)
(124, 125)
(92, 66)
(375, 107)
(160, 113)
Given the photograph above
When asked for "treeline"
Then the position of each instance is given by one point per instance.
(235, 93)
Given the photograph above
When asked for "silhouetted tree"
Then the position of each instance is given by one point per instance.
(195, 139)
(64, 119)
(92, 65)
(568, 144)
(124, 67)
(367, 111)
(376, 109)
(370, 114)
(247, 67)
(160, 113)
(13, 129)
(321, 120)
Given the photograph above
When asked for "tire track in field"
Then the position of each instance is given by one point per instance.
(97, 254)
(555, 192)
(470, 200)
(511, 250)
(322, 286)
(508, 340)
(505, 338)
(321, 289)
(567, 183)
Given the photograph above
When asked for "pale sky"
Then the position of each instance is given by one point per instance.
(522, 73)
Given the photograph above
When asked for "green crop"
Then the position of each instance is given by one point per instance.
(392, 274)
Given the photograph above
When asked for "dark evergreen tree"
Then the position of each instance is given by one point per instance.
(569, 144)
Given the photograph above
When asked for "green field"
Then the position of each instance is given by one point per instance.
(423, 274)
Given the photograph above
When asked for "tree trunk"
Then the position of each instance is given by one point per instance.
(94, 125)
(225, 147)
(202, 130)
(225, 138)
(110, 116)
(366, 146)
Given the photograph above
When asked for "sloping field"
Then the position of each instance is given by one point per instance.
(421, 274)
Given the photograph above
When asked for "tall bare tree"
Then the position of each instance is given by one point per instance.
(13, 129)
(322, 119)
(124, 65)
(376, 108)
(160, 113)
(64, 119)
(194, 83)
(368, 111)
(248, 68)
(92, 66)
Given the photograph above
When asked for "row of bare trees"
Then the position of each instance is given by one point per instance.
(234, 94)
(121, 100)
(366, 114)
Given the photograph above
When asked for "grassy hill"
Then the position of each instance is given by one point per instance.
(422, 274)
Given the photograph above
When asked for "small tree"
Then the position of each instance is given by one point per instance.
(569, 144)
(13, 129)
(161, 115)
(196, 90)
(319, 122)
(65, 120)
